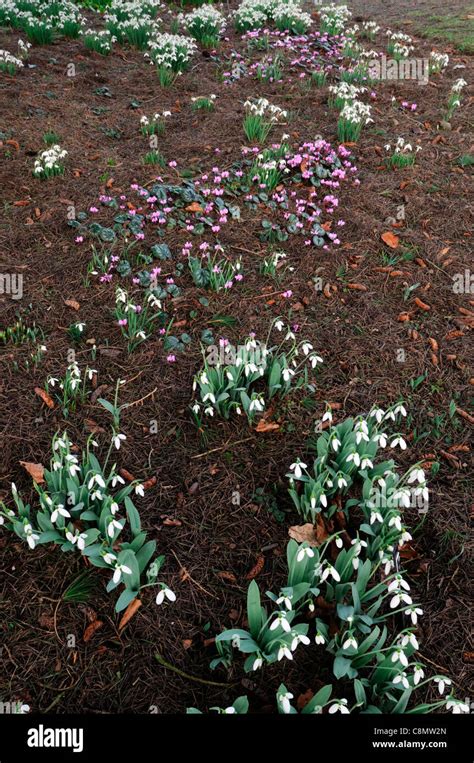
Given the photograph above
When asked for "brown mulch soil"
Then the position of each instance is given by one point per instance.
(215, 543)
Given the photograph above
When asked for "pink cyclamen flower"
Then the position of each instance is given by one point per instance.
(287, 294)
(171, 358)
(79, 239)
(122, 322)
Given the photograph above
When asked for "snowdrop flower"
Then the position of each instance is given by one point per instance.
(257, 663)
(230, 710)
(31, 537)
(398, 582)
(306, 347)
(79, 538)
(281, 620)
(376, 516)
(196, 408)
(257, 404)
(117, 478)
(139, 490)
(402, 679)
(400, 596)
(59, 510)
(399, 656)
(403, 497)
(286, 599)
(109, 558)
(114, 523)
(457, 706)
(377, 414)
(398, 440)
(366, 462)
(339, 542)
(339, 706)
(442, 682)
(319, 638)
(350, 642)
(335, 443)
(400, 409)
(118, 440)
(396, 521)
(209, 396)
(297, 467)
(381, 439)
(341, 481)
(279, 325)
(354, 456)
(330, 570)
(299, 639)
(96, 479)
(165, 592)
(287, 373)
(418, 674)
(314, 360)
(306, 551)
(284, 652)
(284, 700)
(114, 507)
(327, 416)
(417, 475)
(413, 612)
(119, 569)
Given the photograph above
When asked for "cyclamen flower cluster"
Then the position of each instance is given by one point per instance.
(334, 18)
(263, 108)
(204, 23)
(171, 51)
(9, 63)
(49, 162)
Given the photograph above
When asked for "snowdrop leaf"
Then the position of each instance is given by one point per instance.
(341, 667)
(144, 555)
(241, 705)
(402, 703)
(124, 599)
(319, 699)
(133, 516)
(254, 609)
(359, 692)
(49, 536)
(89, 516)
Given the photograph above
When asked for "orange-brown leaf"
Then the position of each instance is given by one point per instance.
(44, 397)
(256, 569)
(266, 426)
(34, 470)
(131, 610)
(72, 303)
(91, 629)
(390, 239)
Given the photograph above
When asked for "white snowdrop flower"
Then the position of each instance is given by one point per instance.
(381, 439)
(399, 656)
(119, 570)
(330, 571)
(350, 642)
(298, 467)
(306, 347)
(410, 638)
(335, 443)
(396, 521)
(366, 463)
(414, 612)
(287, 373)
(113, 525)
(196, 408)
(314, 360)
(319, 638)
(284, 700)
(457, 706)
(341, 482)
(59, 511)
(398, 582)
(165, 593)
(376, 516)
(339, 542)
(117, 479)
(286, 600)
(281, 620)
(417, 475)
(339, 706)
(442, 682)
(118, 439)
(402, 679)
(209, 396)
(354, 456)
(257, 663)
(327, 416)
(398, 598)
(398, 440)
(279, 325)
(109, 558)
(304, 552)
(257, 404)
(418, 674)
(139, 490)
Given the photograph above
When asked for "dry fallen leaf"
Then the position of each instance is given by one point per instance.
(44, 397)
(256, 569)
(131, 610)
(266, 426)
(309, 533)
(91, 629)
(72, 303)
(194, 207)
(390, 239)
(34, 470)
